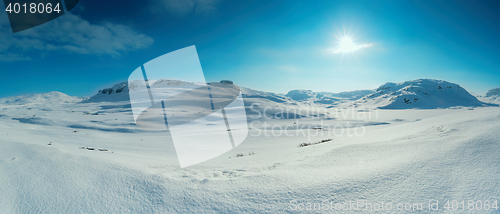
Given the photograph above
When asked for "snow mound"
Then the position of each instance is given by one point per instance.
(37, 99)
(420, 94)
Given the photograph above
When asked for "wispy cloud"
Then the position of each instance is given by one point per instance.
(352, 48)
(72, 34)
(10, 57)
(182, 7)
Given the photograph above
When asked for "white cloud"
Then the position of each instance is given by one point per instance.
(72, 34)
(181, 7)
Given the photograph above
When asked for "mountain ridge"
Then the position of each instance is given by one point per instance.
(43, 98)
(413, 94)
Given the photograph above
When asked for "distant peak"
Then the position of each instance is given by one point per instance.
(43, 98)
(493, 92)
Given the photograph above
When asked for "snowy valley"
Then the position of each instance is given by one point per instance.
(406, 143)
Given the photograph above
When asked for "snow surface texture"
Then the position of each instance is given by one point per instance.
(68, 156)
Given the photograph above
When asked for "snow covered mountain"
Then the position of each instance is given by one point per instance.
(493, 92)
(255, 94)
(51, 97)
(119, 92)
(420, 94)
(300, 95)
(258, 99)
(326, 97)
(492, 96)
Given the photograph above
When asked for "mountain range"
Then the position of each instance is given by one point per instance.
(414, 94)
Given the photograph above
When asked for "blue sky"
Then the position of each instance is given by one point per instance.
(266, 45)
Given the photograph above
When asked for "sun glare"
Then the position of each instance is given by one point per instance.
(347, 45)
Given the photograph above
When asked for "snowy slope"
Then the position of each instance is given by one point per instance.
(420, 94)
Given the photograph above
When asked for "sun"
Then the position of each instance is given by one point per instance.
(347, 45)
